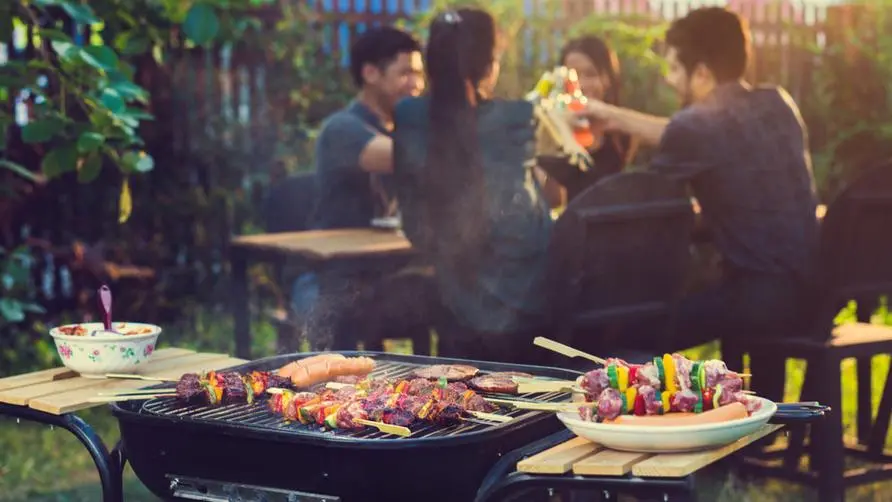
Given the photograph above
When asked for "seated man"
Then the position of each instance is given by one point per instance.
(744, 152)
(353, 159)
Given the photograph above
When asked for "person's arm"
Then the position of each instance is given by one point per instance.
(377, 156)
(647, 128)
(555, 193)
(685, 151)
(347, 143)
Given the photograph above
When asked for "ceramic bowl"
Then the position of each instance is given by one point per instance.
(97, 352)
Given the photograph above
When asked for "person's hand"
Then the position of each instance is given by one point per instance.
(599, 114)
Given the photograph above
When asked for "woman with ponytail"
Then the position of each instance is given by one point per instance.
(470, 201)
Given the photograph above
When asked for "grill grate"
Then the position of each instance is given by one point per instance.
(261, 417)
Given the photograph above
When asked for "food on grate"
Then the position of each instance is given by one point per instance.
(226, 387)
(452, 372)
(327, 369)
(668, 384)
(403, 403)
(502, 382)
(290, 368)
(733, 411)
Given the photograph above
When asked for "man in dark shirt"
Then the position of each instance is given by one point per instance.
(354, 149)
(353, 164)
(744, 152)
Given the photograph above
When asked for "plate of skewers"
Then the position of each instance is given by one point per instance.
(667, 405)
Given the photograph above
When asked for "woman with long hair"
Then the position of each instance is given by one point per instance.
(598, 69)
(470, 200)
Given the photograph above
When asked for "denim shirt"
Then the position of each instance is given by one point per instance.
(509, 293)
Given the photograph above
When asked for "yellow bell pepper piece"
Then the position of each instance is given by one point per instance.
(622, 378)
(631, 394)
(669, 369)
(667, 402)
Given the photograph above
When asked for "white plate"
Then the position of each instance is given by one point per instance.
(675, 439)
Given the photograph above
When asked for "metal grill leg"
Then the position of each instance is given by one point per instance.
(109, 474)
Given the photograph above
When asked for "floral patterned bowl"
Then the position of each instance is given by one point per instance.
(98, 352)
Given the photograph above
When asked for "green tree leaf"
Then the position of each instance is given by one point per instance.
(89, 142)
(131, 43)
(41, 131)
(138, 162)
(55, 35)
(89, 168)
(19, 169)
(79, 12)
(59, 160)
(125, 202)
(112, 100)
(129, 91)
(201, 24)
(11, 310)
(101, 57)
(65, 50)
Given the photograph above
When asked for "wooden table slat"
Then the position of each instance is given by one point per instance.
(22, 395)
(77, 400)
(558, 459)
(608, 463)
(61, 373)
(328, 244)
(679, 465)
(585, 458)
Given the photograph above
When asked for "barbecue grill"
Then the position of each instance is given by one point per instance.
(246, 452)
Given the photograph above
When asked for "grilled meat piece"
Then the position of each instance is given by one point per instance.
(594, 382)
(447, 414)
(501, 382)
(452, 372)
(397, 417)
(421, 387)
(348, 379)
(190, 388)
(348, 413)
(234, 389)
(472, 401)
(453, 391)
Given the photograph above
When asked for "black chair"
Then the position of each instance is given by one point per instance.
(288, 207)
(621, 256)
(855, 263)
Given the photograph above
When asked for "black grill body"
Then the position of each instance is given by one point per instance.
(251, 445)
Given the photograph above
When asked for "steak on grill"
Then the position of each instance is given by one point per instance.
(498, 382)
(452, 372)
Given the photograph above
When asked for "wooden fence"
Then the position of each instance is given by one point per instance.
(217, 131)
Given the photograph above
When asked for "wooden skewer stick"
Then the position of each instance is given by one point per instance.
(114, 399)
(275, 390)
(566, 350)
(492, 417)
(138, 392)
(139, 377)
(397, 430)
(538, 406)
(538, 386)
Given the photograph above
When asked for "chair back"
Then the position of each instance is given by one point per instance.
(856, 240)
(290, 203)
(622, 252)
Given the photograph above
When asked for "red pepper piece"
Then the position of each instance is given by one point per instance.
(707, 399)
(640, 409)
(633, 372)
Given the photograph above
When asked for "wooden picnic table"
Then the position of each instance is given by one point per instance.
(314, 249)
(567, 462)
(52, 396)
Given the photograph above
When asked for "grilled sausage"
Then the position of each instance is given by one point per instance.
(452, 372)
(733, 411)
(327, 369)
(289, 369)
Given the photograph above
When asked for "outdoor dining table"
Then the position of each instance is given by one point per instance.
(566, 463)
(53, 396)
